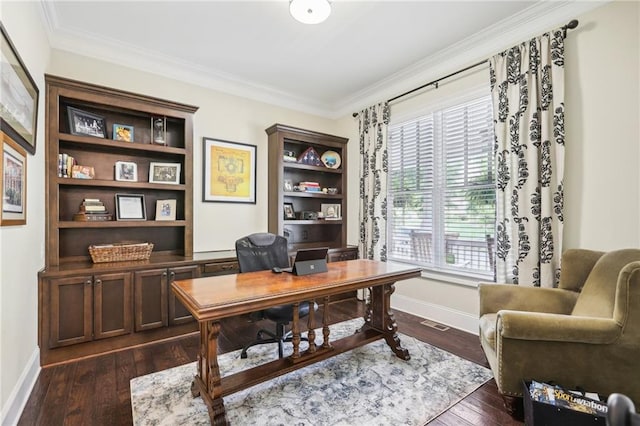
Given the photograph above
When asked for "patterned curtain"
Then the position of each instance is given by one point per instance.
(373, 181)
(527, 87)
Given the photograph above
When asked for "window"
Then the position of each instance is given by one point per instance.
(441, 199)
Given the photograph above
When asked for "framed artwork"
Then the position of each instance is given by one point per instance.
(126, 171)
(289, 213)
(229, 173)
(166, 210)
(130, 207)
(18, 97)
(123, 132)
(164, 173)
(331, 211)
(85, 123)
(13, 181)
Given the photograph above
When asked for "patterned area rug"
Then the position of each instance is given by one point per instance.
(368, 385)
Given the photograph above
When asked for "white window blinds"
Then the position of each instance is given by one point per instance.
(441, 211)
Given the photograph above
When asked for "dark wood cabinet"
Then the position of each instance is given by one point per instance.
(150, 299)
(288, 173)
(68, 239)
(85, 308)
(178, 314)
(288, 183)
(70, 304)
(112, 305)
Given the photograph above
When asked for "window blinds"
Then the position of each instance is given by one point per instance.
(441, 201)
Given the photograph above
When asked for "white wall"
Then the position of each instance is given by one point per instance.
(602, 181)
(21, 254)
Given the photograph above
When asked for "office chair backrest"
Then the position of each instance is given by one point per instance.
(262, 251)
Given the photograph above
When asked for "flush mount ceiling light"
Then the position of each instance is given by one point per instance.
(310, 11)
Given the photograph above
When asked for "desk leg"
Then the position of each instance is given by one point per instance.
(207, 383)
(380, 317)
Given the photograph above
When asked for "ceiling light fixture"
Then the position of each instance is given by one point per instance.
(310, 11)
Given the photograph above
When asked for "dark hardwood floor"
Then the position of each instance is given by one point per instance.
(95, 391)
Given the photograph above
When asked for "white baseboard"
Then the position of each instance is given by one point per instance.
(442, 314)
(12, 410)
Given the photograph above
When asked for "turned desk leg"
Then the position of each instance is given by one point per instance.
(381, 318)
(207, 383)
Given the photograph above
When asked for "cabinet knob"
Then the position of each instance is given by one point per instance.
(98, 282)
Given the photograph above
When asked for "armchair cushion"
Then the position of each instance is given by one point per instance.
(597, 297)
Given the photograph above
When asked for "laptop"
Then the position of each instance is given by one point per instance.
(309, 261)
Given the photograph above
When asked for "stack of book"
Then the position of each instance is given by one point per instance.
(65, 165)
(310, 187)
(92, 209)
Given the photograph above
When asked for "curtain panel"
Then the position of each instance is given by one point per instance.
(527, 88)
(373, 123)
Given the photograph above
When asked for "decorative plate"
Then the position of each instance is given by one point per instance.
(331, 159)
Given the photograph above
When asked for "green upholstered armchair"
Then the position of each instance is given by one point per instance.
(585, 333)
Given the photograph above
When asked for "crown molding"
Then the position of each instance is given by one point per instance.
(532, 21)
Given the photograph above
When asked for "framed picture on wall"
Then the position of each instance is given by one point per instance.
(13, 175)
(229, 174)
(18, 106)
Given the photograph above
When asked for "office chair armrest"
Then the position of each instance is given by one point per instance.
(556, 327)
(494, 297)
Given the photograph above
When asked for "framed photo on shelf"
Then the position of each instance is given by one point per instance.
(331, 211)
(289, 213)
(229, 174)
(126, 171)
(122, 132)
(166, 210)
(288, 185)
(85, 123)
(130, 207)
(164, 173)
(18, 106)
(13, 175)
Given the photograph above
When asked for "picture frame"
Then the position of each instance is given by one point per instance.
(13, 182)
(18, 106)
(331, 211)
(288, 185)
(289, 212)
(126, 171)
(123, 132)
(166, 210)
(130, 207)
(164, 173)
(229, 174)
(86, 123)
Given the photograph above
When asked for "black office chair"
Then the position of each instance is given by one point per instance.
(259, 252)
(621, 411)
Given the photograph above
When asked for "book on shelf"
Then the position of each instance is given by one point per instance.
(92, 217)
(65, 165)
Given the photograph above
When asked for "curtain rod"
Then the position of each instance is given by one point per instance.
(570, 26)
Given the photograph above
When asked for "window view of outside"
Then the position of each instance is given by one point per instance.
(441, 200)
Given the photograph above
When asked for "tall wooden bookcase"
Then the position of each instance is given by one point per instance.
(87, 308)
(284, 188)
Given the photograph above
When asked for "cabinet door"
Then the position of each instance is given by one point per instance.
(346, 253)
(178, 314)
(112, 309)
(70, 310)
(150, 299)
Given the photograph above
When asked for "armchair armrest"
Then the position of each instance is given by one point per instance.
(556, 327)
(495, 297)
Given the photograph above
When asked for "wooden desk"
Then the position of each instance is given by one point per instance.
(213, 298)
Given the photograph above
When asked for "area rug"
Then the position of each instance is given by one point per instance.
(368, 385)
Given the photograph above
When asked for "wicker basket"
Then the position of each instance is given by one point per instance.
(120, 252)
